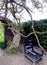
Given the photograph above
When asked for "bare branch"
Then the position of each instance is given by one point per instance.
(22, 4)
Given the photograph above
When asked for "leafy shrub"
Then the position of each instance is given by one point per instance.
(2, 42)
(3, 45)
(40, 26)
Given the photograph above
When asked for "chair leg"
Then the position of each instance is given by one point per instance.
(33, 63)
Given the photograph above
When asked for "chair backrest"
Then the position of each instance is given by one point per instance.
(27, 42)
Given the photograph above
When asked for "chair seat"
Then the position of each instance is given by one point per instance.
(33, 56)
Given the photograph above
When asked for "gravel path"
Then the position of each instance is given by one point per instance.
(19, 59)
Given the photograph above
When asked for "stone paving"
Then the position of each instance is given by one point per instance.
(19, 59)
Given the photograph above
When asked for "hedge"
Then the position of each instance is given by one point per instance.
(40, 26)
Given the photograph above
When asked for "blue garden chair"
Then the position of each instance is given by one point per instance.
(30, 52)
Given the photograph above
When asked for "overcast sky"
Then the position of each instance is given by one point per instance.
(37, 15)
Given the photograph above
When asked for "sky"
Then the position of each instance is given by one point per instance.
(36, 15)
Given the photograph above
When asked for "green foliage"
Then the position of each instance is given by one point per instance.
(43, 37)
(2, 43)
(40, 26)
(27, 27)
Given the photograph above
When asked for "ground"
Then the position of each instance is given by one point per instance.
(19, 59)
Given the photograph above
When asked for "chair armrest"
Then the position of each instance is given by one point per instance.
(28, 47)
(38, 49)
